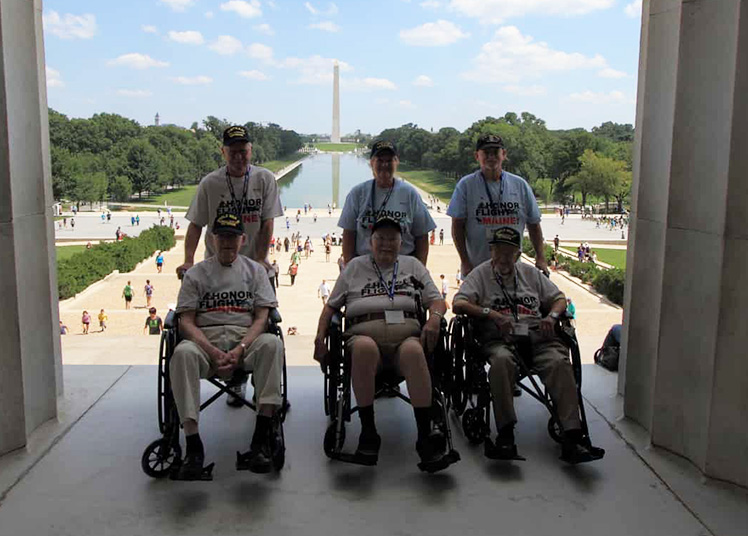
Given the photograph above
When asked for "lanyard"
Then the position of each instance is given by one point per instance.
(375, 214)
(389, 288)
(512, 301)
(488, 191)
(245, 189)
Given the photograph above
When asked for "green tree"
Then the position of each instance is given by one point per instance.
(90, 187)
(120, 188)
(143, 166)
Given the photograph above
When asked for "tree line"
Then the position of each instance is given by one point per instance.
(565, 166)
(112, 157)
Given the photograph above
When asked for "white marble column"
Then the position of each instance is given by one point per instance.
(30, 371)
(685, 373)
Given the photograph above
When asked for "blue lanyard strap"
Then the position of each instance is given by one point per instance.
(375, 214)
(245, 189)
(488, 191)
(389, 288)
(512, 301)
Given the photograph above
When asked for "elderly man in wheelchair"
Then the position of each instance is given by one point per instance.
(223, 309)
(515, 310)
(383, 334)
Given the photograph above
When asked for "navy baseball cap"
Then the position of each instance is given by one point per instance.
(489, 140)
(228, 224)
(382, 146)
(506, 235)
(235, 134)
(386, 221)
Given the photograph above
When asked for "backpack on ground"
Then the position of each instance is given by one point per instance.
(607, 357)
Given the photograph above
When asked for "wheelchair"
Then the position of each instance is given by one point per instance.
(471, 398)
(164, 455)
(337, 393)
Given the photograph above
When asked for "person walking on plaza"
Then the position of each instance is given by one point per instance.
(153, 324)
(86, 321)
(571, 311)
(247, 191)
(159, 261)
(441, 237)
(286, 244)
(385, 195)
(127, 294)
(276, 271)
(137, 220)
(323, 292)
(445, 286)
(341, 263)
(328, 250)
(148, 291)
(556, 242)
(293, 270)
(103, 317)
(488, 199)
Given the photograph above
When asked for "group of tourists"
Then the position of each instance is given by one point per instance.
(225, 300)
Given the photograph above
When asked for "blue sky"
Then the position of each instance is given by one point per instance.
(434, 63)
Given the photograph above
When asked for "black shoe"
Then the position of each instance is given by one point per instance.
(191, 468)
(517, 391)
(432, 453)
(367, 452)
(504, 448)
(257, 460)
(576, 450)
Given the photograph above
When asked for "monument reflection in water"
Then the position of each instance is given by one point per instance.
(322, 179)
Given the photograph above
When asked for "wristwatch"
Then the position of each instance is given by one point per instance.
(244, 346)
(554, 315)
(486, 311)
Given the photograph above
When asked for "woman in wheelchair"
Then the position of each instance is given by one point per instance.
(223, 306)
(516, 309)
(383, 332)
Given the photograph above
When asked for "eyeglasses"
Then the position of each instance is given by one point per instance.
(388, 240)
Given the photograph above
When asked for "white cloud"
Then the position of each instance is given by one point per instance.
(511, 57)
(423, 81)
(634, 9)
(189, 37)
(149, 29)
(209, 15)
(134, 93)
(326, 26)
(178, 5)
(246, 9)
(264, 29)
(261, 52)
(254, 75)
(135, 60)
(430, 4)
(433, 34)
(497, 11)
(226, 45)
(590, 97)
(610, 73)
(331, 10)
(192, 80)
(367, 84)
(314, 70)
(526, 91)
(54, 79)
(69, 26)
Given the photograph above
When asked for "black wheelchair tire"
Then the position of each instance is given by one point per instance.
(473, 426)
(160, 457)
(554, 430)
(329, 442)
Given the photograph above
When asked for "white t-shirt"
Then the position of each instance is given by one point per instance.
(324, 290)
(534, 293)
(213, 198)
(404, 205)
(225, 295)
(511, 204)
(361, 291)
(445, 286)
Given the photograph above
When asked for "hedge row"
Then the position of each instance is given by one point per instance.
(82, 269)
(609, 282)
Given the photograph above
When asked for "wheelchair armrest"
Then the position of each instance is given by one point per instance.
(274, 316)
(337, 320)
(171, 320)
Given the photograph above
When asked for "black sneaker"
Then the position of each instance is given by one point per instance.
(432, 454)
(191, 468)
(367, 452)
(504, 448)
(257, 460)
(575, 449)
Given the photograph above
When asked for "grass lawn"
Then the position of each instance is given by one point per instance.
(179, 197)
(616, 257)
(65, 252)
(429, 180)
(337, 147)
(276, 165)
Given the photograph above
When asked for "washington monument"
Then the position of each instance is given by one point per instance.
(335, 138)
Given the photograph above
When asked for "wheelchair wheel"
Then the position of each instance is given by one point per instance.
(473, 425)
(457, 346)
(159, 458)
(331, 445)
(555, 431)
(279, 450)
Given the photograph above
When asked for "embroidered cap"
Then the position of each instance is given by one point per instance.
(228, 224)
(489, 140)
(386, 221)
(506, 235)
(382, 146)
(234, 134)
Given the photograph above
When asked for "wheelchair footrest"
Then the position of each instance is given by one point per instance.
(358, 458)
(438, 465)
(493, 452)
(187, 473)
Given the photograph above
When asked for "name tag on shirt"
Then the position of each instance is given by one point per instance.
(521, 330)
(394, 317)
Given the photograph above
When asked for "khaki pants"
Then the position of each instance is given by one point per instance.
(552, 365)
(190, 364)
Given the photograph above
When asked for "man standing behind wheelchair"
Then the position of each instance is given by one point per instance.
(223, 308)
(516, 309)
(377, 291)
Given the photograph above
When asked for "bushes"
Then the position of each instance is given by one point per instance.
(609, 283)
(82, 269)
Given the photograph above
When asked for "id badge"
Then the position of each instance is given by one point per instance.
(394, 317)
(521, 330)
